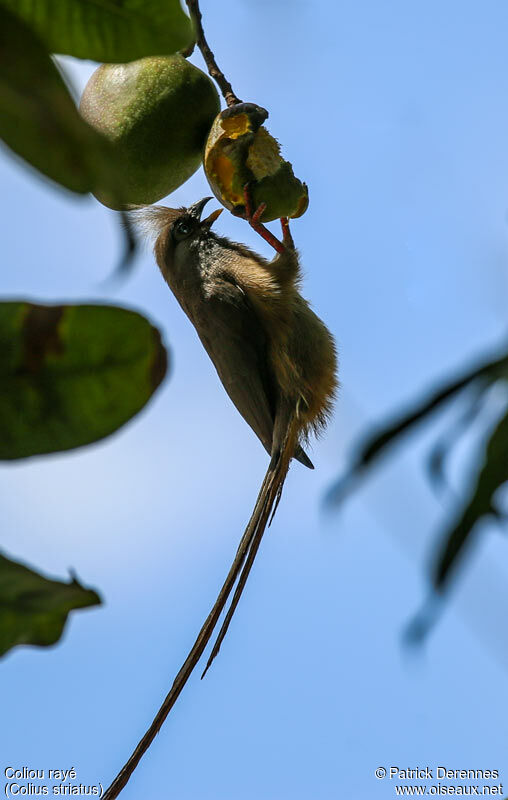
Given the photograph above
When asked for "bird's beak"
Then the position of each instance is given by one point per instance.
(197, 209)
(213, 216)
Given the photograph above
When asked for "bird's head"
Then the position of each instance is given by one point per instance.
(177, 231)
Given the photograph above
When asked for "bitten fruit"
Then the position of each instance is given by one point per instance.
(240, 151)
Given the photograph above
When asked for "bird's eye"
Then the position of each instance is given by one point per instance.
(183, 229)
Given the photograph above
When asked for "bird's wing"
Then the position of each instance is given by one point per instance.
(235, 340)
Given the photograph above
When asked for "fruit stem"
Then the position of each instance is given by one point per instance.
(213, 70)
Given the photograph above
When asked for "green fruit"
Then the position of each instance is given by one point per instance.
(239, 151)
(157, 112)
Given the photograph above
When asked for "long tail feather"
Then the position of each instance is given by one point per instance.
(270, 497)
(267, 501)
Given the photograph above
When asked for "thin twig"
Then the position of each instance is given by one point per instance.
(214, 71)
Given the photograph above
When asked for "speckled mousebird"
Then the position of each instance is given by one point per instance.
(276, 360)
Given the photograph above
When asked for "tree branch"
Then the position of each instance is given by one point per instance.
(214, 71)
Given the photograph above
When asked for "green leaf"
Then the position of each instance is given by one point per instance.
(34, 609)
(480, 504)
(40, 122)
(71, 375)
(107, 30)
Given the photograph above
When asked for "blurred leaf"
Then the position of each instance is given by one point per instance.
(71, 375)
(107, 30)
(40, 122)
(480, 377)
(443, 447)
(492, 475)
(34, 609)
(126, 262)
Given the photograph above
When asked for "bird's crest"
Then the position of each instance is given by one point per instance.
(150, 221)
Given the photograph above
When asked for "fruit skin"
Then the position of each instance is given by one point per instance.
(239, 151)
(157, 112)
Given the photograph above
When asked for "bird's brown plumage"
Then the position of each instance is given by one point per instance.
(274, 356)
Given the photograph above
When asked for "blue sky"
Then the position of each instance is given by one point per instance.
(396, 115)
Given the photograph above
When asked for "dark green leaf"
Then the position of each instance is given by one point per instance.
(34, 609)
(107, 30)
(40, 122)
(71, 375)
(492, 475)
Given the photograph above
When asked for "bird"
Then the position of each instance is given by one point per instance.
(274, 356)
(276, 360)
